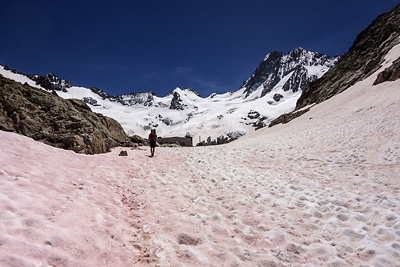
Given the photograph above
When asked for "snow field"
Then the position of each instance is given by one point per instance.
(322, 190)
(58, 208)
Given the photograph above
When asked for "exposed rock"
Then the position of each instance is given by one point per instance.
(101, 93)
(277, 97)
(90, 101)
(167, 121)
(123, 153)
(276, 65)
(145, 99)
(68, 124)
(138, 139)
(253, 114)
(389, 74)
(235, 135)
(259, 124)
(176, 102)
(299, 80)
(184, 239)
(364, 57)
(79, 104)
(50, 82)
(12, 70)
(222, 140)
(285, 118)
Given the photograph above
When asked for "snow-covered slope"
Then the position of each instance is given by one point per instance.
(272, 90)
(323, 191)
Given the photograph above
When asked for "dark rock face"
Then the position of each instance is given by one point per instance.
(90, 101)
(123, 153)
(253, 114)
(277, 97)
(176, 102)
(389, 74)
(276, 65)
(100, 92)
(167, 121)
(184, 239)
(265, 73)
(363, 58)
(145, 99)
(137, 139)
(285, 118)
(68, 124)
(259, 124)
(299, 80)
(50, 82)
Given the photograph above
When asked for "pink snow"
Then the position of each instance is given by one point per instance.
(322, 190)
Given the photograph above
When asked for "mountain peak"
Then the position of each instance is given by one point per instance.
(272, 56)
(275, 68)
(180, 90)
(299, 50)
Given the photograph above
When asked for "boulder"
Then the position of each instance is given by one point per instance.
(185, 239)
(68, 124)
(123, 153)
(136, 139)
(277, 97)
(389, 74)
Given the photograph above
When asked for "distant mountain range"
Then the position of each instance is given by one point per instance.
(270, 91)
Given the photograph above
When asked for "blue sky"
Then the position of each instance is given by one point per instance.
(156, 45)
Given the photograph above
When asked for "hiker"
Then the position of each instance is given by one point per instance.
(153, 140)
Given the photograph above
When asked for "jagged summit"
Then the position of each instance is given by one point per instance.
(292, 71)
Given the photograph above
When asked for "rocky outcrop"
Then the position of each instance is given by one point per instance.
(184, 239)
(277, 97)
(176, 102)
(50, 82)
(389, 74)
(123, 153)
(364, 57)
(253, 114)
(276, 66)
(285, 118)
(68, 124)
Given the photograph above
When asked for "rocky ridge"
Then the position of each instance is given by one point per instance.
(68, 124)
(364, 57)
(298, 64)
